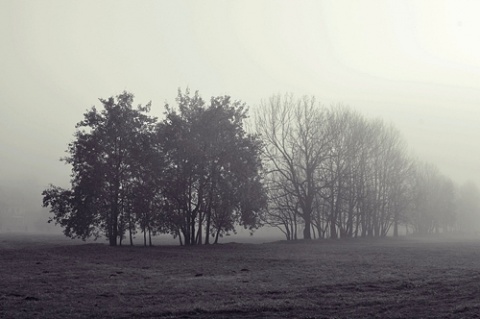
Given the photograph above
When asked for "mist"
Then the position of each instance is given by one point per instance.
(350, 188)
(415, 65)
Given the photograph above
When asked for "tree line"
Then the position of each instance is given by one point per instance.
(337, 174)
(198, 174)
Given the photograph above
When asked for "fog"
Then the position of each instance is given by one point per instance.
(413, 63)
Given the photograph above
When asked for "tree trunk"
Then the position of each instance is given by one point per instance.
(186, 230)
(113, 240)
(287, 231)
(193, 238)
(150, 237)
(130, 235)
(144, 237)
(198, 238)
(216, 236)
(308, 225)
(113, 230)
(333, 229)
(295, 235)
(207, 228)
(180, 237)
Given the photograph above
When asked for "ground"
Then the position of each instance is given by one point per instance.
(45, 277)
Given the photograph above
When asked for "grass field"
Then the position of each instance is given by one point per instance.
(50, 277)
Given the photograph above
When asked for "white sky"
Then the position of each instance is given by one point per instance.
(415, 63)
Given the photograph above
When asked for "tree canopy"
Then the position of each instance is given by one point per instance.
(196, 174)
(213, 170)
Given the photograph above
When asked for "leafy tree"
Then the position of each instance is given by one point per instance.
(105, 168)
(213, 168)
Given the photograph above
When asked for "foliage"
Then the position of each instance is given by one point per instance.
(213, 168)
(105, 170)
(195, 175)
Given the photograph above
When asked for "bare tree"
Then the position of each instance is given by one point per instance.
(294, 132)
(282, 212)
(341, 170)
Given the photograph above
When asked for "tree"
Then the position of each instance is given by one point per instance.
(390, 169)
(433, 202)
(363, 175)
(294, 133)
(282, 210)
(340, 171)
(213, 167)
(146, 199)
(105, 166)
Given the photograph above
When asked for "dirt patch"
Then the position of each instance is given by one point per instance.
(329, 279)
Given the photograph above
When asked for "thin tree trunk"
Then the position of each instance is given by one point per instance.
(295, 228)
(216, 237)
(198, 239)
(287, 231)
(113, 232)
(150, 236)
(207, 228)
(130, 235)
(180, 237)
(144, 237)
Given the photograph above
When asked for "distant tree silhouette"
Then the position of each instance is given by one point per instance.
(340, 174)
(433, 200)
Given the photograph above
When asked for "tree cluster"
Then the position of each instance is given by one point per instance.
(337, 174)
(195, 175)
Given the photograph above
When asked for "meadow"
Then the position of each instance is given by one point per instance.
(51, 277)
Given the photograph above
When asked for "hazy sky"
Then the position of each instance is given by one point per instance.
(415, 63)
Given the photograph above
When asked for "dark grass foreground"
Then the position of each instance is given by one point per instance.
(321, 279)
